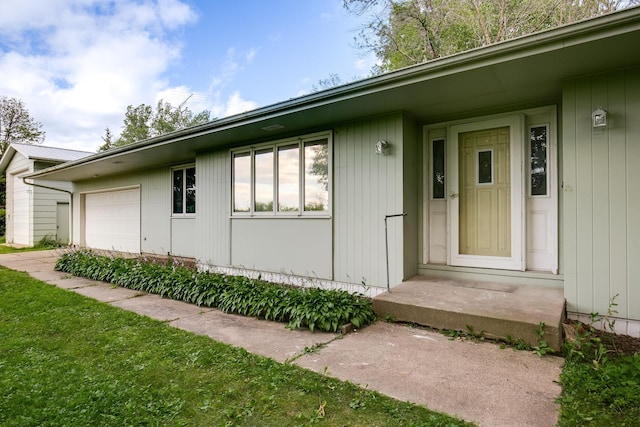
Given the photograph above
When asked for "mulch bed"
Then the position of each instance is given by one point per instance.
(618, 344)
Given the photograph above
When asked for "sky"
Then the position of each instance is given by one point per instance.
(78, 64)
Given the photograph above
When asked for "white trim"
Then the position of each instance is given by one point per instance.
(550, 121)
(490, 151)
(83, 211)
(184, 191)
(107, 190)
(516, 124)
(301, 142)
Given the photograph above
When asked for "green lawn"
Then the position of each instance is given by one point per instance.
(69, 360)
(43, 245)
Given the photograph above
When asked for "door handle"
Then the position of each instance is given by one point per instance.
(453, 195)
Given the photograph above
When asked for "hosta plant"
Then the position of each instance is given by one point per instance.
(311, 308)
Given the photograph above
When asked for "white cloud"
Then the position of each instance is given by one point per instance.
(236, 105)
(77, 64)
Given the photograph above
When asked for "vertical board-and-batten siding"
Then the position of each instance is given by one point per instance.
(601, 185)
(19, 165)
(42, 202)
(366, 187)
(213, 208)
(155, 205)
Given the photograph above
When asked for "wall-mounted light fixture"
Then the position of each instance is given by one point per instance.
(381, 147)
(599, 118)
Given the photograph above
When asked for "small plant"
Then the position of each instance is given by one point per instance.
(543, 347)
(476, 336)
(364, 285)
(48, 242)
(518, 344)
(587, 344)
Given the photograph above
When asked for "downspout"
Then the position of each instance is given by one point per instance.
(70, 193)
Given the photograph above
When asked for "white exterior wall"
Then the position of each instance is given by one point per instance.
(19, 165)
(41, 211)
(601, 173)
(155, 206)
(366, 187)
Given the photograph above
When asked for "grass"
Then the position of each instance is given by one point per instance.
(607, 394)
(69, 360)
(42, 245)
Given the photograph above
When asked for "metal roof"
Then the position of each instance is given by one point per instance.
(45, 153)
(41, 153)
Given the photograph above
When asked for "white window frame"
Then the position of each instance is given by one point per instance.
(492, 181)
(300, 142)
(528, 160)
(183, 168)
(432, 142)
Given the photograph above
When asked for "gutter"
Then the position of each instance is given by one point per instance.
(555, 39)
(70, 193)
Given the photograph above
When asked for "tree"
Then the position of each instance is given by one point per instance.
(407, 32)
(143, 122)
(332, 81)
(109, 142)
(16, 125)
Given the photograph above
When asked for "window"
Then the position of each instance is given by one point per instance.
(282, 178)
(263, 182)
(437, 177)
(288, 178)
(485, 167)
(184, 191)
(538, 156)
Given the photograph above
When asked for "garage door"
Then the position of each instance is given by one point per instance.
(21, 192)
(112, 220)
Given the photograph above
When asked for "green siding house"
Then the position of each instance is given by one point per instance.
(514, 163)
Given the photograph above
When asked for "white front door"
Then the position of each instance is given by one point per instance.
(486, 195)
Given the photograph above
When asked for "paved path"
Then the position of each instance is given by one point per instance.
(477, 382)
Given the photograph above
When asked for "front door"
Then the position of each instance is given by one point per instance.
(486, 197)
(485, 193)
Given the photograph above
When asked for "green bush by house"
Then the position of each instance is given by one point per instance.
(313, 308)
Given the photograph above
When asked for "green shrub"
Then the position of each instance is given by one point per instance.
(312, 308)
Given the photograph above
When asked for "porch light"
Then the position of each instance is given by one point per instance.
(599, 118)
(381, 147)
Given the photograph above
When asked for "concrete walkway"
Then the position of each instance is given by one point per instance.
(477, 382)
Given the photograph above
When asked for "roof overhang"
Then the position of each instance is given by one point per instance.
(524, 71)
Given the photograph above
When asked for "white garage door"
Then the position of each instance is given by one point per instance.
(112, 220)
(21, 193)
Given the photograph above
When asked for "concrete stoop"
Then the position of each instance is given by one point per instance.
(494, 309)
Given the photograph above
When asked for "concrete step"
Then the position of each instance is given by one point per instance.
(494, 309)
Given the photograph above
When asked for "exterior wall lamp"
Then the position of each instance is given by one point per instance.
(599, 118)
(381, 147)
